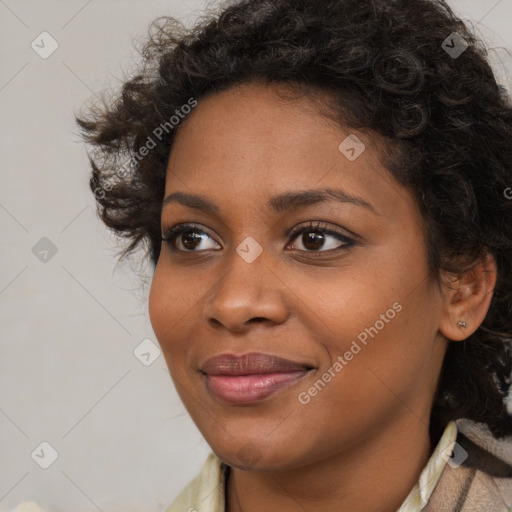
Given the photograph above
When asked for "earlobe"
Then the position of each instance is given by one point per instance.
(467, 300)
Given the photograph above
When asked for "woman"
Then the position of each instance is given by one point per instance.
(322, 190)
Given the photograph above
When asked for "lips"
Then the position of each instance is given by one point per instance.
(250, 364)
(250, 377)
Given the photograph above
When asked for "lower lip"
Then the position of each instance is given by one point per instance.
(244, 389)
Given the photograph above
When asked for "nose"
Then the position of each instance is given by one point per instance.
(249, 293)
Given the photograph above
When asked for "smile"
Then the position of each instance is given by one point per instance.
(250, 377)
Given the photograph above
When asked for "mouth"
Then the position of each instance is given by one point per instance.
(250, 377)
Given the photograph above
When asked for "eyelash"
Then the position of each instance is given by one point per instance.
(175, 231)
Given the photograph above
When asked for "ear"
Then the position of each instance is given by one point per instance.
(467, 299)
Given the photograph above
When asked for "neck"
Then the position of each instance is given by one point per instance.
(376, 475)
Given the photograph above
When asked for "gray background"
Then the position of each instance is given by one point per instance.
(70, 324)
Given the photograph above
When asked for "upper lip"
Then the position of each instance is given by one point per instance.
(250, 364)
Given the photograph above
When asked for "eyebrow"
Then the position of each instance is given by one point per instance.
(282, 203)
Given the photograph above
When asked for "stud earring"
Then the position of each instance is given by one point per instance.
(461, 324)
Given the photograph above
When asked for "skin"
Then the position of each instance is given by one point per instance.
(363, 440)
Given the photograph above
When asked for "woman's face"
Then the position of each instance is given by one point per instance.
(346, 299)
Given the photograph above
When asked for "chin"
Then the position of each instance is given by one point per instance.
(258, 455)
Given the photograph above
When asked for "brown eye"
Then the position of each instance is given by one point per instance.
(313, 240)
(315, 237)
(189, 235)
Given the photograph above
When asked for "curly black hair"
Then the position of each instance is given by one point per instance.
(408, 71)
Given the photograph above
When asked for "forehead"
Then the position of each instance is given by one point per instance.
(253, 141)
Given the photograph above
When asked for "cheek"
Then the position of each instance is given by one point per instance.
(157, 302)
(380, 346)
(353, 298)
(175, 305)
(167, 306)
(383, 315)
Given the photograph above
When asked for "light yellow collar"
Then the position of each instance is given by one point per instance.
(421, 492)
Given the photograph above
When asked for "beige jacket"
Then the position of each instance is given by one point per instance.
(469, 471)
(483, 482)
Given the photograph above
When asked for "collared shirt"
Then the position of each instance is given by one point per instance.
(206, 493)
